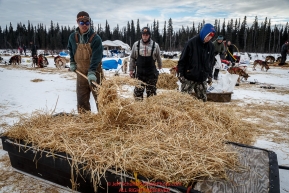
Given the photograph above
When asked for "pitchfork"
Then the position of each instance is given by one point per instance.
(94, 86)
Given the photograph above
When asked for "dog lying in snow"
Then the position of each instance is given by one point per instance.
(270, 58)
(42, 61)
(60, 62)
(279, 59)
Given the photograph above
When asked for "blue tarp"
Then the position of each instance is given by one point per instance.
(110, 64)
(114, 51)
(63, 54)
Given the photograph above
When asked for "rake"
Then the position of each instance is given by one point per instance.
(94, 86)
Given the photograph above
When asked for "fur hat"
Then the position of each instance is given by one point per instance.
(82, 15)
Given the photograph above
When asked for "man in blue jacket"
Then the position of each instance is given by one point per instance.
(195, 64)
(85, 48)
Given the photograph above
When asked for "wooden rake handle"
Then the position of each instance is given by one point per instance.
(94, 87)
(94, 83)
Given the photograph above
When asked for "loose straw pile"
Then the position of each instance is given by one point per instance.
(167, 81)
(169, 63)
(171, 137)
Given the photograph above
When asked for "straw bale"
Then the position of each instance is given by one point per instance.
(167, 81)
(169, 63)
(277, 64)
(37, 80)
(171, 137)
(112, 89)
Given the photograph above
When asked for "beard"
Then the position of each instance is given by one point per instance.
(148, 40)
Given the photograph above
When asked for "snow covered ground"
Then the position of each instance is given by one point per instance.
(24, 89)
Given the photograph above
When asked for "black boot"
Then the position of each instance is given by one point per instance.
(216, 74)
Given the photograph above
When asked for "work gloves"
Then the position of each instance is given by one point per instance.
(91, 77)
(132, 74)
(72, 66)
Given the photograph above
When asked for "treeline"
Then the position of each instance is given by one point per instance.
(259, 37)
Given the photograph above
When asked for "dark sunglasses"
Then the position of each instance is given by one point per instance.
(84, 23)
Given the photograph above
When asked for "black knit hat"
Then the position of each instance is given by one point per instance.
(82, 15)
(146, 30)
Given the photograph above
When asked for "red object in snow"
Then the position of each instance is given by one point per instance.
(175, 68)
(225, 62)
(237, 58)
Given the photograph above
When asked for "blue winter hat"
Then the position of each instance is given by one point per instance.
(206, 30)
(220, 37)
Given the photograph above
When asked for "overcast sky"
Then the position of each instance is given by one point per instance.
(182, 12)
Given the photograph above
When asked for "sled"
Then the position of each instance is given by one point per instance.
(261, 173)
(218, 97)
